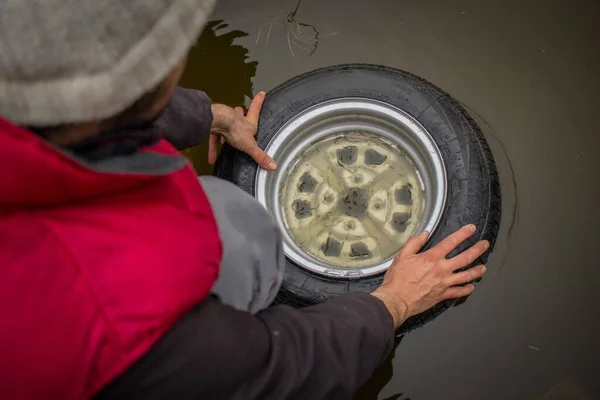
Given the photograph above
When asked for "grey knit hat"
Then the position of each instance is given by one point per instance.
(66, 61)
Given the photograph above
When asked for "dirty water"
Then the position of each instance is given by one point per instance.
(528, 73)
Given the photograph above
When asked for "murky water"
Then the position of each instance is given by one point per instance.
(528, 72)
(352, 201)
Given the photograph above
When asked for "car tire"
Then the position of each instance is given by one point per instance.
(473, 195)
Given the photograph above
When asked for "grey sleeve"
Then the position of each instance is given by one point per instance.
(325, 351)
(186, 120)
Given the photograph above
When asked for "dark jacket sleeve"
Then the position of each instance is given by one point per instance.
(186, 120)
(325, 351)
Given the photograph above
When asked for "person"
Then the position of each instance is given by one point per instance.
(124, 276)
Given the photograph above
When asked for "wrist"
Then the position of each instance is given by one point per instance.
(222, 118)
(395, 306)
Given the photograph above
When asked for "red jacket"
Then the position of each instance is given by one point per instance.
(94, 266)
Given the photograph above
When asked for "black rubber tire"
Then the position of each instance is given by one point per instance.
(473, 184)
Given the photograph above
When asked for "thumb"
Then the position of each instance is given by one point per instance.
(261, 158)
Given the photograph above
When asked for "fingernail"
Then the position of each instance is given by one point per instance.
(425, 233)
(272, 166)
(483, 269)
(486, 245)
(472, 228)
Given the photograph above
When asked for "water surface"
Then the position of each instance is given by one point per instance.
(528, 72)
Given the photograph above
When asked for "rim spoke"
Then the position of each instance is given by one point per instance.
(335, 172)
(320, 223)
(376, 232)
(384, 179)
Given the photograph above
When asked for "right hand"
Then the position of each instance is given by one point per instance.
(232, 126)
(415, 282)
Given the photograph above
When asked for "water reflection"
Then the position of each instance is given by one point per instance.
(380, 378)
(300, 35)
(221, 69)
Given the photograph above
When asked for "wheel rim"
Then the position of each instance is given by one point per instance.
(356, 178)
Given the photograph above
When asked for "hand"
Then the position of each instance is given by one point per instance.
(416, 282)
(231, 126)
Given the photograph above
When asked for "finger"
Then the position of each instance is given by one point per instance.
(468, 256)
(222, 139)
(414, 244)
(254, 109)
(466, 276)
(239, 110)
(456, 292)
(213, 148)
(262, 158)
(453, 241)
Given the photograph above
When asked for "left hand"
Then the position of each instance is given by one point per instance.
(415, 281)
(231, 126)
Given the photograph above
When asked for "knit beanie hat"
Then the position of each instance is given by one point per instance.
(67, 61)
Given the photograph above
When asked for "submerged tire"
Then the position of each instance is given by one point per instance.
(473, 186)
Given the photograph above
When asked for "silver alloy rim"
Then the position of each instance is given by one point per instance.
(339, 118)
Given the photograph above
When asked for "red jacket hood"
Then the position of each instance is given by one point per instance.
(35, 174)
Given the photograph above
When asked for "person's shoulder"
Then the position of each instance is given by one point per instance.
(37, 258)
(55, 326)
(27, 235)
